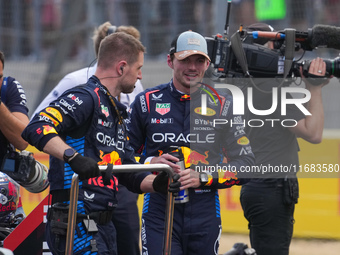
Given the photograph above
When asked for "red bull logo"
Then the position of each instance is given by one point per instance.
(196, 157)
(110, 158)
(228, 175)
(49, 130)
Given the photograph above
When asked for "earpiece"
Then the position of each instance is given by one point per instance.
(122, 69)
(111, 30)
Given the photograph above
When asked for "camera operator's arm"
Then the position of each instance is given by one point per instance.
(311, 127)
(11, 125)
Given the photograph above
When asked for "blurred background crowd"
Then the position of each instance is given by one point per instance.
(45, 39)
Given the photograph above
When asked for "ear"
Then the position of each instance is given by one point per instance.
(120, 67)
(208, 63)
(170, 62)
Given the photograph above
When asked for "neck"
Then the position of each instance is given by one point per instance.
(185, 89)
(110, 83)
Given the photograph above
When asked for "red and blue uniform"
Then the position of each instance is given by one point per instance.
(85, 118)
(162, 117)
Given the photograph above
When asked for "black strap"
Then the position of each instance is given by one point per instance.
(108, 174)
(100, 217)
(59, 196)
(236, 45)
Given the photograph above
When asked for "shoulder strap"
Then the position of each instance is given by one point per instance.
(4, 90)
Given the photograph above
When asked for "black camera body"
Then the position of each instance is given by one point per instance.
(25, 170)
(18, 166)
(262, 61)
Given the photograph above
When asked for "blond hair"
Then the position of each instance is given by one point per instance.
(101, 32)
(119, 46)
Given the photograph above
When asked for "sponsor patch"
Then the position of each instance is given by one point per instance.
(56, 123)
(49, 130)
(105, 110)
(55, 113)
(162, 120)
(210, 112)
(243, 140)
(154, 97)
(75, 99)
(143, 104)
(163, 108)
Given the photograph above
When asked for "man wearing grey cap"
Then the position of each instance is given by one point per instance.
(170, 120)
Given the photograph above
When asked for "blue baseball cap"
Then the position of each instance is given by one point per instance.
(189, 43)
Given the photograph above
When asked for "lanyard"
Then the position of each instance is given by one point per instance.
(120, 117)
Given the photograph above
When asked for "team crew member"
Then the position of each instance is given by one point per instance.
(81, 129)
(170, 115)
(126, 216)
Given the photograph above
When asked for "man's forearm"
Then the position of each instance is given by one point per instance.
(56, 147)
(12, 125)
(146, 184)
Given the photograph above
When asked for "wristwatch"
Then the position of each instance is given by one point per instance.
(204, 178)
(69, 154)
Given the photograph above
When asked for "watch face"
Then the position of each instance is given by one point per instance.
(69, 152)
(204, 177)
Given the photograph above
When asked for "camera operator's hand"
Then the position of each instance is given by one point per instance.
(85, 167)
(160, 183)
(316, 73)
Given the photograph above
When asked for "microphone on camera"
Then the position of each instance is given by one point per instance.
(318, 36)
(324, 35)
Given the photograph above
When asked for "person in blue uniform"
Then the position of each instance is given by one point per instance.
(13, 115)
(13, 112)
(126, 216)
(82, 129)
(171, 115)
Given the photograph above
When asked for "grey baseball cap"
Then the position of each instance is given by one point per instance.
(189, 43)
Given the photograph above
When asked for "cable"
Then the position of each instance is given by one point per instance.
(108, 77)
(88, 68)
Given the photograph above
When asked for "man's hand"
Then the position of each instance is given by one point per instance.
(160, 184)
(189, 179)
(85, 167)
(316, 75)
(168, 160)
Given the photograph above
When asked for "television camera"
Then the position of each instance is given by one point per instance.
(241, 57)
(25, 170)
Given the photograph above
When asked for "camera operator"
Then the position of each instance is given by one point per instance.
(269, 200)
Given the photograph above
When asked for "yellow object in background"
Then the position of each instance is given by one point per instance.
(317, 214)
